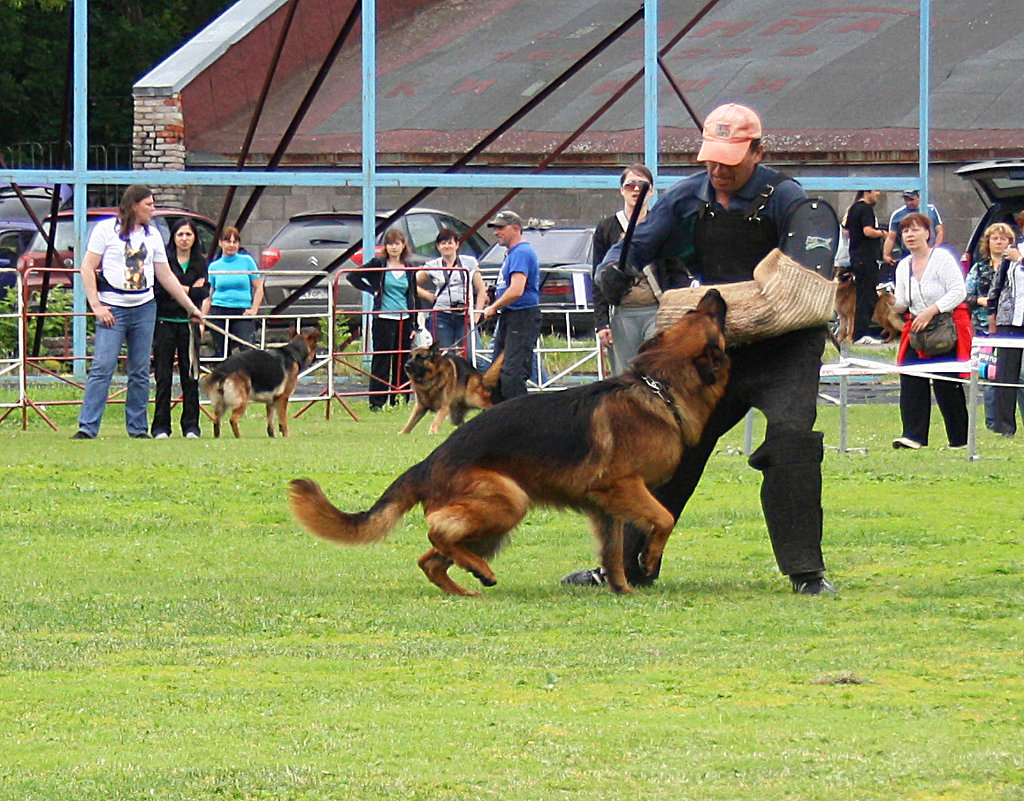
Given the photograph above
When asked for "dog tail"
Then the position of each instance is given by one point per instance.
(321, 517)
(210, 382)
(492, 375)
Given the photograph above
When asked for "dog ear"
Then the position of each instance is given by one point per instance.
(710, 363)
(653, 342)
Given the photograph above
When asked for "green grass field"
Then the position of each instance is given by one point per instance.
(167, 631)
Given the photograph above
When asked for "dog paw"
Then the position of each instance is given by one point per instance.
(487, 581)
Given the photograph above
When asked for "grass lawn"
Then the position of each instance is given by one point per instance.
(167, 631)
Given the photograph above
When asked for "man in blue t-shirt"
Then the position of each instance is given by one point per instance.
(893, 250)
(517, 304)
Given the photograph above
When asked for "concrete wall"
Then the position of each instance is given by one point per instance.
(958, 204)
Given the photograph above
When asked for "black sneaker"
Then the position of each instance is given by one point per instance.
(143, 435)
(585, 578)
(81, 435)
(813, 586)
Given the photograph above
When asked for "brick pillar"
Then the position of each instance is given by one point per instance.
(158, 142)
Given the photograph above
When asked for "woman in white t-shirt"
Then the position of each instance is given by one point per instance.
(123, 259)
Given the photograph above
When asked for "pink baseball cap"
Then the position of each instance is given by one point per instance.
(728, 132)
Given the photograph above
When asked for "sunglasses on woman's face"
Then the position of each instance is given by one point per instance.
(634, 185)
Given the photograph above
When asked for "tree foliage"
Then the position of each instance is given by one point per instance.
(127, 38)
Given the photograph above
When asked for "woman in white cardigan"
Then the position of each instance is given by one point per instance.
(928, 282)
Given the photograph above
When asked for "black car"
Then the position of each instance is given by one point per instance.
(566, 286)
(312, 240)
(1000, 184)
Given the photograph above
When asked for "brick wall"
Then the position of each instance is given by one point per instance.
(158, 142)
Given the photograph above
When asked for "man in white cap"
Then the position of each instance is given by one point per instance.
(516, 303)
(722, 222)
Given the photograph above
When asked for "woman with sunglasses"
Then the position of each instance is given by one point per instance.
(623, 326)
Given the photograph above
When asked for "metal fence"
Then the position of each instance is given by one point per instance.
(339, 374)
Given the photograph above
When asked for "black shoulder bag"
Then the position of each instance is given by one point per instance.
(939, 336)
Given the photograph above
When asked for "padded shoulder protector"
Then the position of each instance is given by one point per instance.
(812, 235)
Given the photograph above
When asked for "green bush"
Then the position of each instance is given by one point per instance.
(59, 302)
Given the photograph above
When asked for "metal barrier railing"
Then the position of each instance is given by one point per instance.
(944, 371)
(564, 354)
(12, 322)
(347, 353)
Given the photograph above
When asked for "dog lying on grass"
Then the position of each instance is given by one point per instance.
(267, 376)
(598, 448)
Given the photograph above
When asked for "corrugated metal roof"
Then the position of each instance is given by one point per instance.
(836, 79)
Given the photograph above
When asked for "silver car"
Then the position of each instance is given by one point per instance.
(310, 241)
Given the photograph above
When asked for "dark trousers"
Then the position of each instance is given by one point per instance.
(243, 328)
(175, 341)
(916, 403)
(1007, 372)
(866, 273)
(516, 337)
(390, 349)
(778, 376)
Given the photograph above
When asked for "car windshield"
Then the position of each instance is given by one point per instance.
(64, 238)
(11, 207)
(553, 246)
(318, 232)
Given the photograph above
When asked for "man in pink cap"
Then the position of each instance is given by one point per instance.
(721, 223)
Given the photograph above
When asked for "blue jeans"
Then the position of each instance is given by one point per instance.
(132, 325)
(449, 328)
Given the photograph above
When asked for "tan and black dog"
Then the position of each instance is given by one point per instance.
(890, 322)
(266, 376)
(846, 303)
(598, 448)
(447, 384)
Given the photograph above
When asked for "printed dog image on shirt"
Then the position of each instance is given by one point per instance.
(134, 267)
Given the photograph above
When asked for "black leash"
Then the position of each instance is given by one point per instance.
(461, 339)
(627, 238)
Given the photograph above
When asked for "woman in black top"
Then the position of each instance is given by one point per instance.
(174, 336)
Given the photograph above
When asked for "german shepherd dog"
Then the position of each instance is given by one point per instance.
(890, 322)
(846, 303)
(597, 448)
(267, 376)
(447, 384)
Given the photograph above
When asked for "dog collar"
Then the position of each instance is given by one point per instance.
(660, 388)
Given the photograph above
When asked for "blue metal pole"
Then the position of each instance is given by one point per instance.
(80, 154)
(369, 133)
(369, 140)
(358, 178)
(651, 86)
(924, 77)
